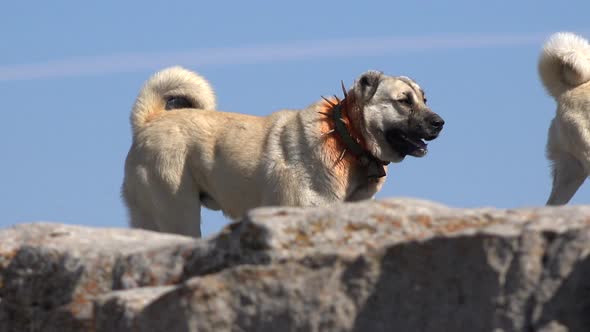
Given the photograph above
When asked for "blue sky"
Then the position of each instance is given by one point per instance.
(70, 71)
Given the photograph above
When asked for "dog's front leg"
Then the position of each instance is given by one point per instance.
(568, 176)
(366, 191)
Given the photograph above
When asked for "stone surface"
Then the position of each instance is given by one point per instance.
(396, 264)
(50, 273)
(117, 310)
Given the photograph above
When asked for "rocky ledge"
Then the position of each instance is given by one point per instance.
(387, 265)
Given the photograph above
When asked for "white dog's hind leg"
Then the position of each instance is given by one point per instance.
(179, 212)
(164, 204)
(568, 176)
(138, 219)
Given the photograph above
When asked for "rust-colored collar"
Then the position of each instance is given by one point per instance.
(352, 141)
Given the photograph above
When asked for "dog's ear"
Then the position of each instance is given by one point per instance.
(367, 84)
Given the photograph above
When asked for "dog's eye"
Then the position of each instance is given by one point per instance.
(405, 100)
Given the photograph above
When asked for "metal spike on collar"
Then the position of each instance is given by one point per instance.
(329, 101)
(341, 156)
(344, 89)
(328, 132)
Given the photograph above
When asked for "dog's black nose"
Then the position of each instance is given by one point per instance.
(436, 122)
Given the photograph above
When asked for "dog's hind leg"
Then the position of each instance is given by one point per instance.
(568, 176)
(179, 216)
(179, 211)
(139, 219)
(163, 202)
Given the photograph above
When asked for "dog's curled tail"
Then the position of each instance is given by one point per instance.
(564, 62)
(171, 88)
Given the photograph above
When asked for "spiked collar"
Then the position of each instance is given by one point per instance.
(374, 166)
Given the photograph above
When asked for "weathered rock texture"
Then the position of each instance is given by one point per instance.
(389, 265)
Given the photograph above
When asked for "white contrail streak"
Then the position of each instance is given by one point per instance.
(300, 50)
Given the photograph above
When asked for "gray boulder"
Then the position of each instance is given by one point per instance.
(397, 264)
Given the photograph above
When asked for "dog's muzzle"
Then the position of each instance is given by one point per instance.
(410, 140)
(434, 127)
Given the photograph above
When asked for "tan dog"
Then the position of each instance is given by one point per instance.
(186, 154)
(564, 68)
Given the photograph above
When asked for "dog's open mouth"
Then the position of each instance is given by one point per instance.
(406, 144)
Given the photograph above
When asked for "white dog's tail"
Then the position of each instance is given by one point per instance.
(169, 89)
(564, 62)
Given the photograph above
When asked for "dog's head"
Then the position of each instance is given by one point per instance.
(395, 118)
